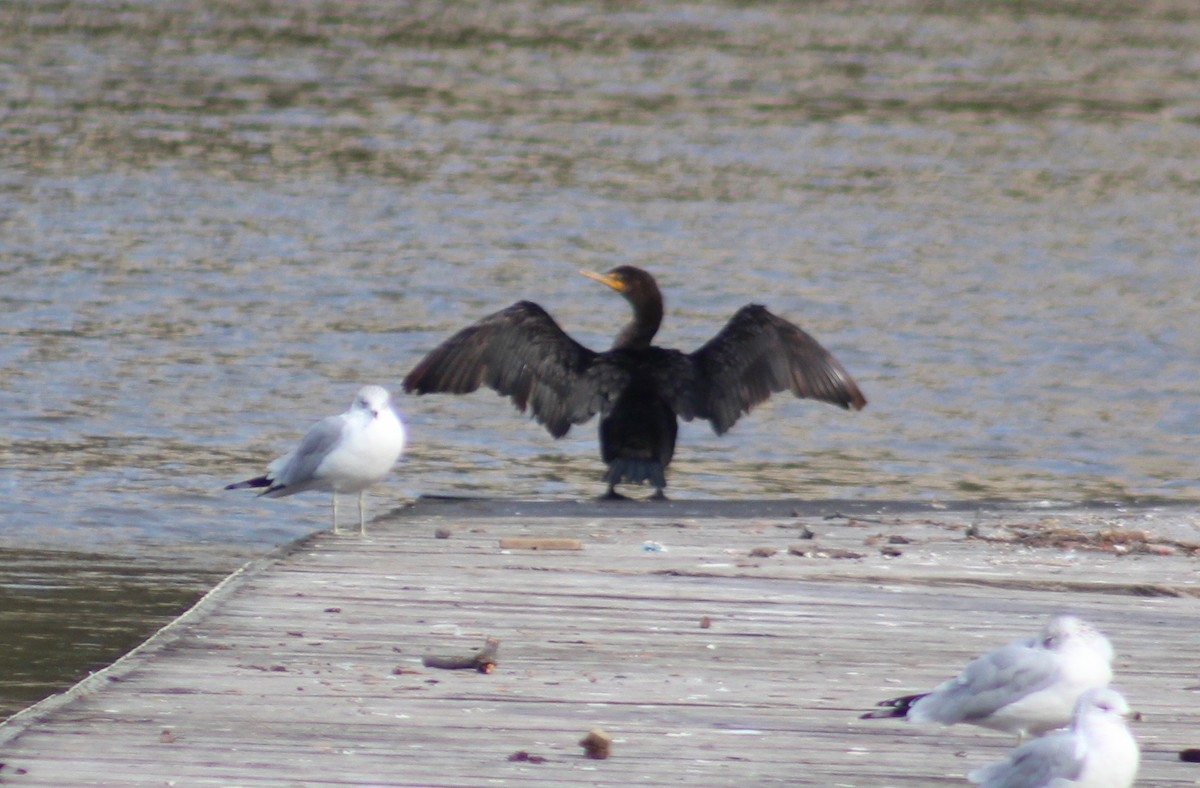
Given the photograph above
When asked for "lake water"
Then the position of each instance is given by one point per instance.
(218, 220)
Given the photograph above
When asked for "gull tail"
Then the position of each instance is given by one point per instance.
(896, 707)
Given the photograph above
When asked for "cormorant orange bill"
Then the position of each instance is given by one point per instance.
(614, 282)
(639, 390)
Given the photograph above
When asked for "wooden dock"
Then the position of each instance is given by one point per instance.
(717, 644)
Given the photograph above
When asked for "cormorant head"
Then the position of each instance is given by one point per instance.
(636, 285)
(641, 291)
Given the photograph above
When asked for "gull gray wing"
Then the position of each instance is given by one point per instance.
(1036, 764)
(987, 684)
(293, 472)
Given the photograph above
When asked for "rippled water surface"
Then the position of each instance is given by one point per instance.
(217, 220)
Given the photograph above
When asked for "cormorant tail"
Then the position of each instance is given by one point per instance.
(635, 470)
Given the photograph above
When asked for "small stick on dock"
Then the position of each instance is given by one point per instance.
(539, 543)
(484, 660)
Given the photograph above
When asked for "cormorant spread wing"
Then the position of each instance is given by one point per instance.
(522, 353)
(757, 354)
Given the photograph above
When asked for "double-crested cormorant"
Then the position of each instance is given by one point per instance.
(638, 389)
(346, 453)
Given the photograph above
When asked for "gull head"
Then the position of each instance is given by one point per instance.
(1065, 632)
(372, 399)
(1102, 703)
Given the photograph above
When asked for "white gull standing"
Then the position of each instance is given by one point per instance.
(1096, 752)
(1027, 687)
(346, 453)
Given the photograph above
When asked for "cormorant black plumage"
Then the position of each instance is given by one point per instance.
(638, 389)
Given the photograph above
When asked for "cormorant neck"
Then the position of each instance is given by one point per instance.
(647, 317)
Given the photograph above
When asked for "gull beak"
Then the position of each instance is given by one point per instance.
(605, 279)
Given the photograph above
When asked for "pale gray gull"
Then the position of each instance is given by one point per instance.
(346, 453)
(1097, 751)
(1027, 687)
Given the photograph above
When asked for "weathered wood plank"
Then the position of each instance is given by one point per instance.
(306, 668)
